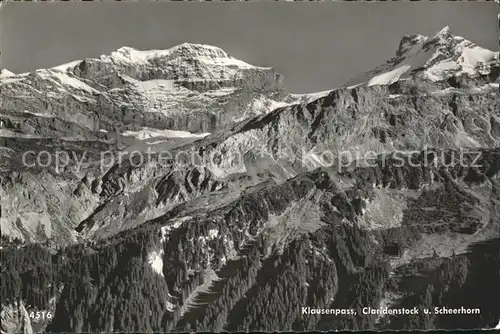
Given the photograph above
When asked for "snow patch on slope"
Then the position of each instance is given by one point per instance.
(390, 77)
(39, 114)
(220, 92)
(73, 82)
(210, 55)
(308, 98)
(156, 84)
(467, 59)
(5, 74)
(147, 133)
(473, 56)
(260, 106)
(226, 61)
(440, 70)
(128, 54)
(67, 66)
(156, 262)
(265, 105)
(213, 233)
(65, 79)
(10, 77)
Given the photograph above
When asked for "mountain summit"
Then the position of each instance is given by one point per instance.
(189, 87)
(438, 58)
(184, 51)
(187, 61)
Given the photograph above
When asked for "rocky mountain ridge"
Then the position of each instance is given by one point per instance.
(189, 87)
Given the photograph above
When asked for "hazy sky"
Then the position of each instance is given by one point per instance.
(315, 45)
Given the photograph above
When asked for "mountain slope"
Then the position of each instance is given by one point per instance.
(251, 203)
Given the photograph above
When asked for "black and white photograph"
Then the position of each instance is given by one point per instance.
(249, 166)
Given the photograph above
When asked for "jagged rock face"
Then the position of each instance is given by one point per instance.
(352, 122)
(39, 207)
(267, 210)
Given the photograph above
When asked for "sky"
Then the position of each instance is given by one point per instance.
(315, 45)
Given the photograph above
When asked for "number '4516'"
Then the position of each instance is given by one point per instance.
(40, 315)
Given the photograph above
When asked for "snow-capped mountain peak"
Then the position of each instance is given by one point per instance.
(456, 56)
(433, 59)
(443, 33)
(130, 54)
(5, 73)
(185, 52)
(186, 62)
